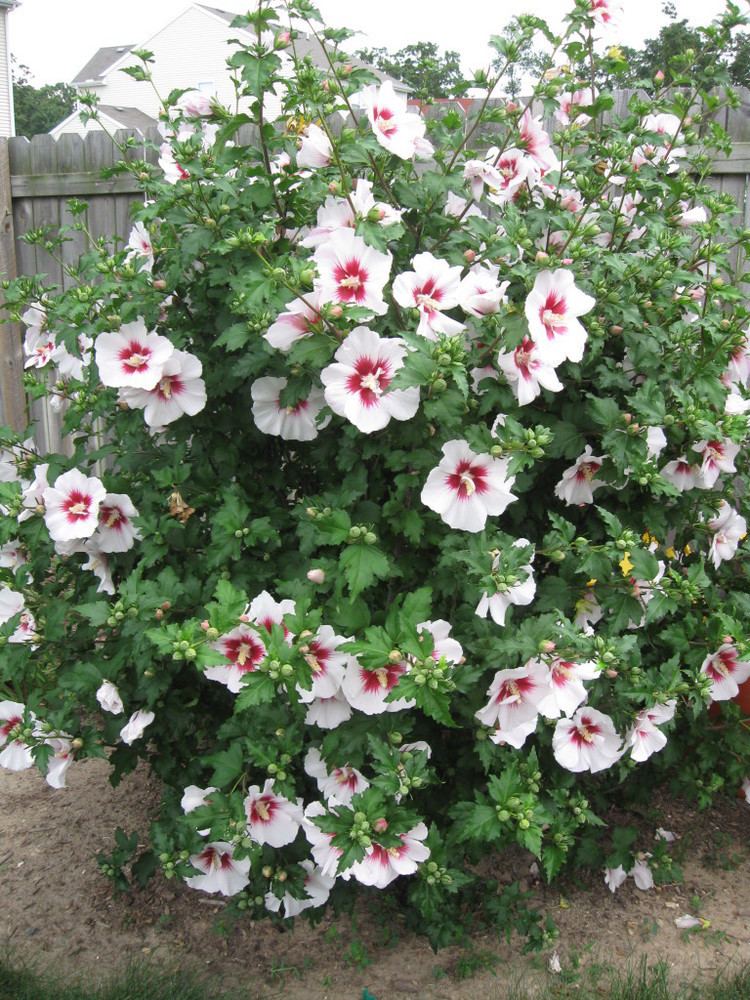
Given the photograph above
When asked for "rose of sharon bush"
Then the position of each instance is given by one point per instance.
(402, 514)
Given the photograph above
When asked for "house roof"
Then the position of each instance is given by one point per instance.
(127, 117)
(305, 45)
(100, 62)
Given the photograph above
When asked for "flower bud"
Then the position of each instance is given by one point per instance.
(205, 625)
(659, 76)
(336, 312)
(469, 256)
(380, 825)
(394, 656)
(611, 673)
(267, 871)
(547, 646)
(316, 575)
(159, 284)
(541, 256)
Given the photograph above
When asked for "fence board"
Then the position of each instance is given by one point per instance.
(12, 396)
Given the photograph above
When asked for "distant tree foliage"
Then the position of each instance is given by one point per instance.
(422, 66)
(38, 109)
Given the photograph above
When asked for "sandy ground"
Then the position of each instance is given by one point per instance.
(57, 909)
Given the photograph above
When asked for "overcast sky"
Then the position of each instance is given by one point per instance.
(55, 38)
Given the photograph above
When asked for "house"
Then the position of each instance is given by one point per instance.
(190, 52)
(7, 120)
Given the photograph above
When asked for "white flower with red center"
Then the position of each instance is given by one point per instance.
(718, 457)
(456, 207)
(606, 12)
(59, 762)
(579, 481)
(588, 612)
(11, 604)
(116, 532)
(244, 649)
(38, 346)
(357, 383)
(514, 702)
(351, 273)
(444, 647)
(366, 207)
(465, 488)
(479, 293)
(71, 366)
(394, 126)
(340, 784)
(566, 690)
(98, 564)
(526, 373)
(32, 495)
(314, 148)
(220, 872)
(133, 357)
(656, 441)
(738, 368)
(194, 798)
(614, 877)
(12, 555)
(195, 104)
(726, 672)
(552, 309)
(179, 390)
(173, 171)
(263, 610)
(141, 247)
(14, 755)
(570, 102)
(536, 143)
(729, 528)
(317, 890)
(691, 216)
(299, 320)
(514, 168)
(382, 865)
(520, 593)
(479, 173)
(271, 819)
(587, 742)
(325, 855)
(645, 738)
(109, 698)
(366, 689)
(327, 713)
(432, 287)
(326, 665)
(292, 423)
(334, 215)
(681, 474)
(72, 506)
(136, 725)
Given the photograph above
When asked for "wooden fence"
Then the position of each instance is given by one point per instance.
(37, 178)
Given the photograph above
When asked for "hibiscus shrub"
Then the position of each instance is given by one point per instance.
(401, 520)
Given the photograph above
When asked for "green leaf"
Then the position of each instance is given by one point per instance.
(362, 565)
(96, 613)
(256, 690)
(228, 765)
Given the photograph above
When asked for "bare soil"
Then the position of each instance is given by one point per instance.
(58, 910)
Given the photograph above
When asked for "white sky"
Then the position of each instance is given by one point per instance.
(55, 38)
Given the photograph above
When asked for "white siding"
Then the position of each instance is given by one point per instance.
(191, 49)
(7, 125)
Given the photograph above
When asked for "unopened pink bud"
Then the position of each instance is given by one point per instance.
(283, 38)
(316, 575)
(205, 625)
(541, 256)
(469, 256)
(336, 311)
(511, 106)
(245, 618)
(611, 673)
(659, 75)
(726, 640)
(547, 646)
(567, 260)
(380, 825)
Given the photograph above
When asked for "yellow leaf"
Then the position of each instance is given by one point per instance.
(625, 564)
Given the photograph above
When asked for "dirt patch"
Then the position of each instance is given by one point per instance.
(57, 909)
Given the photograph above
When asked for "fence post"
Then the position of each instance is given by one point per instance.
(13, 411)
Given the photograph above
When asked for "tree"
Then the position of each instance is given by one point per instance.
(38, 109)
(427, 71)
